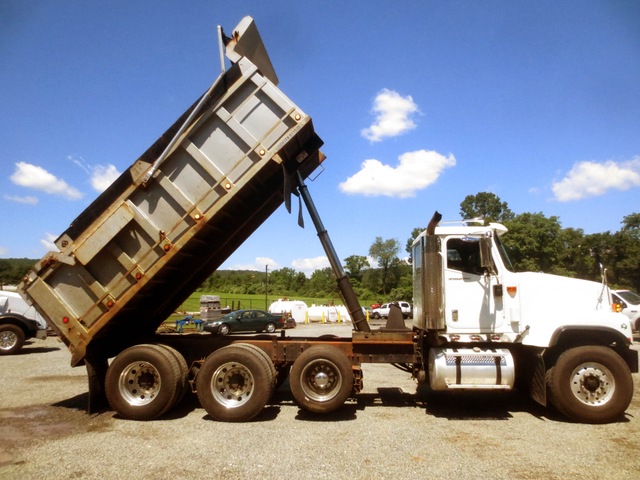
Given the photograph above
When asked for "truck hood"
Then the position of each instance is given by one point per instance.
(547, 303)
(570, 294)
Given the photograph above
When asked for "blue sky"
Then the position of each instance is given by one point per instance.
(419, 103)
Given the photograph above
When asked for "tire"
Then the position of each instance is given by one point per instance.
(223, 329)
(12, 339)
(183, 372)
(273, 373)
(321, 379)
(590, 385)
(282, 375)
(234, 384)
(270, 327)
(143, 382)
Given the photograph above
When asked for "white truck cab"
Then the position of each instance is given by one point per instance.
(485, 325)
(19, 322)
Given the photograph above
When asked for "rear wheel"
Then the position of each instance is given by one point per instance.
(11, 339)
(234, 383)
(270, 328)
(183, 372)
(321, 379)
(143, 382)
(273, 373)
(591, 385)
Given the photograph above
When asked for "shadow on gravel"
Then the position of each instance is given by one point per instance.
(267, 414)
(483, 406)
(29, 350)
(77, 402)
(345, 413)
(387, 397)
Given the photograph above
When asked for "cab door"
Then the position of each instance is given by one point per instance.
(470, 303)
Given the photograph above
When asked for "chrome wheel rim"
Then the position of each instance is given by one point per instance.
(232, 384)
(592, 384)
(8, 340)
(321, 380)
(139, 383)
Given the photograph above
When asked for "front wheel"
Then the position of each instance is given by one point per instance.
(321, 379)
(11, 339)
(591, 385)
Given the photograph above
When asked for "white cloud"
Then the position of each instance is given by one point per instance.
(415, 171)
(393, 116)
(258, 265)
(29, 200)
(310, 265)
(32, 176)
(47, 242)
(80, 162)
(3, 251)
(590, 179)
(102, 176)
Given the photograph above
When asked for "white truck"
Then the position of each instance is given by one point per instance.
(628, 303)
(139, 250)
(383, 310)
(19, 322)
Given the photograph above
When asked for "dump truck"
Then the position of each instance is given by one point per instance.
(236, 155)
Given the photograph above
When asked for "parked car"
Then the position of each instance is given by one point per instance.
(629, 305)
(383, 310)
(245, 321)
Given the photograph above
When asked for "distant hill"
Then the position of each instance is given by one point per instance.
(13, 269)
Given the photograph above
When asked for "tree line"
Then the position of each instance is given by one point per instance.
(534, 243)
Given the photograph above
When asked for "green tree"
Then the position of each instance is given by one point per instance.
(486, 205)
(631, 223)
(533, 242)
(322, 284)
(415, 233)
(385, 252)
(286, 281)
(573, 257)
(354, 264)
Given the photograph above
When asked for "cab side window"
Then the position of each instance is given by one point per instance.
(463, 254)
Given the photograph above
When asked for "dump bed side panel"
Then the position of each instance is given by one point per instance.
(138, 251)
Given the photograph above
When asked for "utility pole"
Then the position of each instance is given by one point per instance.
(266, 287)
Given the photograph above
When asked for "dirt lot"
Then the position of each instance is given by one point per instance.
(388, 432)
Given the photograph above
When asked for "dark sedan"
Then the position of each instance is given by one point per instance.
(245, 321)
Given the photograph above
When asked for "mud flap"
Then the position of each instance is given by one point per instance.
(96, 374)
(538, 383)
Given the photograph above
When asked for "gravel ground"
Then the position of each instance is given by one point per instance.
(389, 432)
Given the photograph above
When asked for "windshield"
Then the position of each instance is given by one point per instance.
(503, 254)
(631, 297)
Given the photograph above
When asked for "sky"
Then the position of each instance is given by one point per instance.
(419, 104)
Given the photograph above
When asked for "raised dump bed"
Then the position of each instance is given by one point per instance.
(137, 252)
